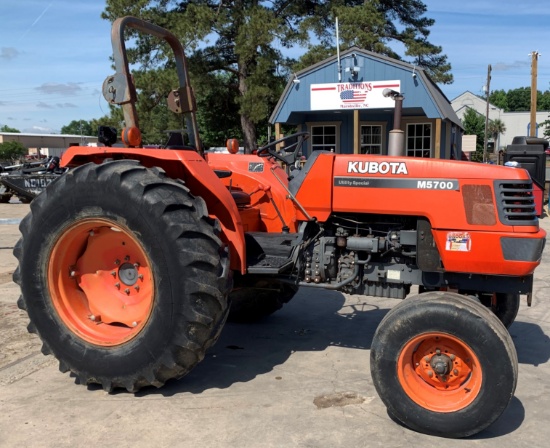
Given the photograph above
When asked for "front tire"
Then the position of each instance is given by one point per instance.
(443, 364)
(123, 275)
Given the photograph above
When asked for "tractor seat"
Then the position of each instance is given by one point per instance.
(241, 198)
(176, 141)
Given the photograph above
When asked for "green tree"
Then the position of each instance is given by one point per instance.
(519, 99)
(242, 43)
(494, 129)
(499, 98)
(12, 151)
(215, 97)
(78, 127)
(545, 125)
(378, 25)
(242, 51)
(6, 128)
(474, 124)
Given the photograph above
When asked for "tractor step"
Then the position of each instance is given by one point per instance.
(268, 253)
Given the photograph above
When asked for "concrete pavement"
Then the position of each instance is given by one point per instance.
(298, 379)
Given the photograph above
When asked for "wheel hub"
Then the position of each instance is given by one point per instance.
(441, 364)
(128, 274)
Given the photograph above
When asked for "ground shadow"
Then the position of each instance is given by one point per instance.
(510, 420)
(312, 321)
(532, 344)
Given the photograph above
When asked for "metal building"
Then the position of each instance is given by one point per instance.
(340, 102)
(47, 144)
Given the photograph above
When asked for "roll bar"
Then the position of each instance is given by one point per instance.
(120, 89)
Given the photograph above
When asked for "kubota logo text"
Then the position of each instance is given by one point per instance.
(378, 167)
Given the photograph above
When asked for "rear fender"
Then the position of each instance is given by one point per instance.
(188, 166)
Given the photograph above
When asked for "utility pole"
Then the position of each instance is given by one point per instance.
(487, 91)
(534, 69)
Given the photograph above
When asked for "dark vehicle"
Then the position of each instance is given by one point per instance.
(27, 180)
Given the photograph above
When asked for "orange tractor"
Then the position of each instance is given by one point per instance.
(131, 262)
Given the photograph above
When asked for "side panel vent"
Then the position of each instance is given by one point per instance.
(515, 203)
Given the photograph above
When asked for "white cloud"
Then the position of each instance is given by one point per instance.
(42, 105)
(54, 88)
(8, 53)
(503, 66)
(39, 130)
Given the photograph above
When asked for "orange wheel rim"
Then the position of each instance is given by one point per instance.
(101, 282)
(439, 372)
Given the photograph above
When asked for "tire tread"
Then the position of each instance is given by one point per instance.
(196, 247)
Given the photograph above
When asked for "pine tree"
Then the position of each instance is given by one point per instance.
(242, 43)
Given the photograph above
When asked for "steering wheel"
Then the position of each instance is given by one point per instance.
(289, 153)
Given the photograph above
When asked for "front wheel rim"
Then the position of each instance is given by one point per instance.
(101, 282)
(439, 372)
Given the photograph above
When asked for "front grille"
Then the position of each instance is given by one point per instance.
(515, 202)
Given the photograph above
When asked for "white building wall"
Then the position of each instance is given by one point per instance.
(516, 122)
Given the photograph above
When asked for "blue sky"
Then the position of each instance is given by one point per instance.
(476, 33)
(54, 54)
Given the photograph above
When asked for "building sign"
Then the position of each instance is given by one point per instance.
(352, 95)
(469, 143)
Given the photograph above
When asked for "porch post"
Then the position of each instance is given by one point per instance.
(437, 143)
(356, 132)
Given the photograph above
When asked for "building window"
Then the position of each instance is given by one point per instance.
(419, 140)
(371, 139)
(323, 137)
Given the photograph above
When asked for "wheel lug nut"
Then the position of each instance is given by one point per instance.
(136, 287)
(92, 317)
(455, 372)
(430, 373)
(127, 291)
(127, 258)
(452, 357)
(117, 261)
(140, 276)
(136, 265)
(113, 273)
(427, 359)
(438, 352)
(117, 285)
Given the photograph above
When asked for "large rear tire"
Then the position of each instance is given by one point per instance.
(257, 297)
(123, 275)
(443, 364)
